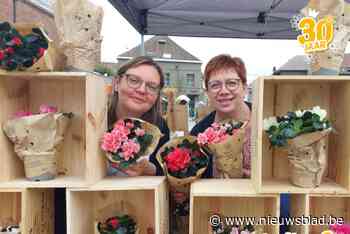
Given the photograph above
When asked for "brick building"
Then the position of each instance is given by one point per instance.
(29, 11)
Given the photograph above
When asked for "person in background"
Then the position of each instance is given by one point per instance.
(136, 94)
(225, 79)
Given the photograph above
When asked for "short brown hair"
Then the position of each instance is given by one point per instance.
(225, 62)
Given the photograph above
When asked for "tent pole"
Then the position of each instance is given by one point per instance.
(142, 52)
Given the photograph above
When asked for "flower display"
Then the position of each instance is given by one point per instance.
(18, 52)
(182, 158)
(118, 225)
(218, 133)
(129, 140)
(226, 141)
(280, 129)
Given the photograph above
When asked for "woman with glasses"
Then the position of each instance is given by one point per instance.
(226, 86)
(136, 94)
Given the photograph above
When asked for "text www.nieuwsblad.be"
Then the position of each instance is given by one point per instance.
(216, 220)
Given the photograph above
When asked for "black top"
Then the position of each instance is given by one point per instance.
(163, 127)
(200, 127)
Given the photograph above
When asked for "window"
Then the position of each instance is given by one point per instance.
(190, 79)
(167, 79)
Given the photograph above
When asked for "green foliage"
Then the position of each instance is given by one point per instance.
(18, 52)
(291, 126)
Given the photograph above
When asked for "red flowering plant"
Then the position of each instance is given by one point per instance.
(182, 158)
(225, 141)
(18, 52)
(183, 162)
(117, 225)
(130, 140)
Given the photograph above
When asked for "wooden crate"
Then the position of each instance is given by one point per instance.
(315, 206)
(33, 209)
(337, 206)
(231, 198)
(144, 198)
(80, 161)
(276, 96)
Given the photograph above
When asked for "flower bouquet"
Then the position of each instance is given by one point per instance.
(25, 47)
(129, 141)
(183, 162)
(37, 138)
(303, 132)
(118, 225)
(225, 141)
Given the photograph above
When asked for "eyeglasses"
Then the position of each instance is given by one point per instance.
(135, 82)
(230, 84)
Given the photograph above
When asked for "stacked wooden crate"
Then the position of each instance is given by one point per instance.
(275, 96)
(81, 164)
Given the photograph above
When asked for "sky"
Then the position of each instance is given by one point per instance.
(260, 56)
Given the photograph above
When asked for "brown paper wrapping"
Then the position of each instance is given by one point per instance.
(228, 155)
(150, 129)
(181, 184)
(307, 156)
(79, 25)
(49, 61)
(36, 141)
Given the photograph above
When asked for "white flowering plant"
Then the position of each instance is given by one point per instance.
(281, 128)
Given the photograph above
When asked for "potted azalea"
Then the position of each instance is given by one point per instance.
(123, 224)
(225, 141)
(129, 141)
(303, 132)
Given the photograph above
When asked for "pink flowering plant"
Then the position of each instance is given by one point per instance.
(43, 109)
(129, 140)
(226, 141)
(218, 133)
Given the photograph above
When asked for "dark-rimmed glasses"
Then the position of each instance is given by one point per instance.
(135, 82)
(215, 86)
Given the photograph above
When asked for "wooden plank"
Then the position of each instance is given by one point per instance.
(336, 206)
(58, 182)
(272, 208)
(268, 110)
(95, 126)
(45, 75)
(298, 208)
(284, 186)
(161, 201)
(13, 97)
(10, 207)
(223, 188)
(339, 148)
(80, 212)
(38, 208)
(256, 170)
(308, 79)
(68, 96)
(125, 183)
